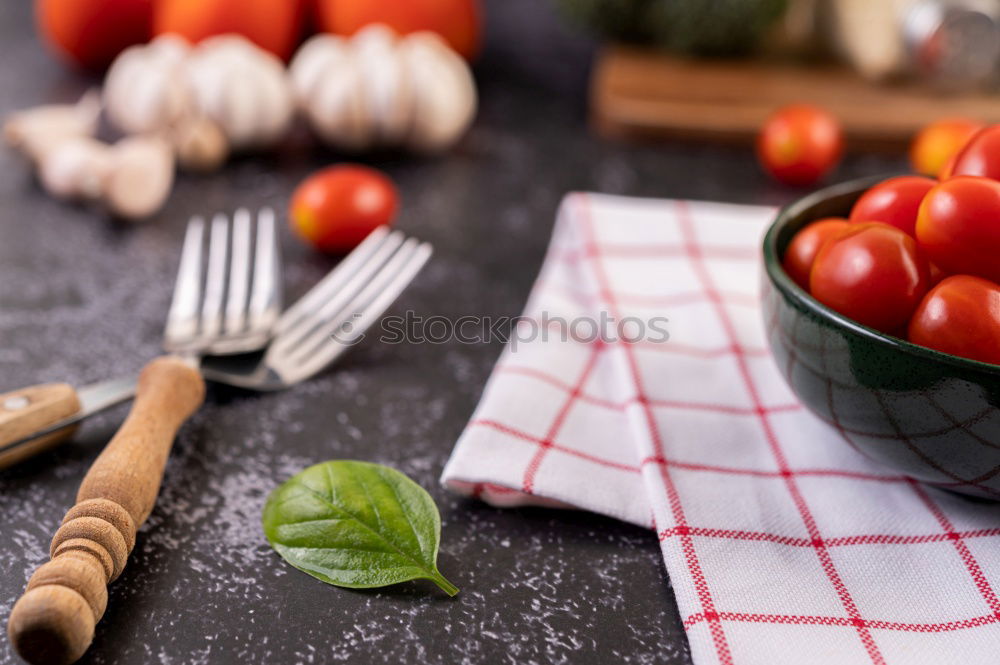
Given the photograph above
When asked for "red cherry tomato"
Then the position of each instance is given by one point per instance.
(960, 316)
(335, 208)
(958, 227)
(936, 273)
(805, 246)
(872, 273)
(800, 144)
(894, 202)
(938, 143)
(980, 156)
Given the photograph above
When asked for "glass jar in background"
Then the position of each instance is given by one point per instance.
(954, 44)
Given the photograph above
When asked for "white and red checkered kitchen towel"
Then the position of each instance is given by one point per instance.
(782, 543)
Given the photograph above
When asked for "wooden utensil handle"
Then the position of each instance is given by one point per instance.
(53, 622)
(30, 409)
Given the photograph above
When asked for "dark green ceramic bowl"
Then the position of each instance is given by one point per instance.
(930, 415)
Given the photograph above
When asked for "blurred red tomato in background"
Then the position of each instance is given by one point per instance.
(335, 208)
(800, 144)
(274, 25)
(980, 156)
(90, 33)
(457, 21)
(939, 142)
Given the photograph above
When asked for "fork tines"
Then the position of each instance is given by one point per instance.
(336, 312)
(227, 297)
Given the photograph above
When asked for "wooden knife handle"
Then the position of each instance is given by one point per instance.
(53, 622)
(30, 409)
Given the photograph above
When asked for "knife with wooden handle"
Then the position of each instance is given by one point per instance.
(37, 418)
(53, 622)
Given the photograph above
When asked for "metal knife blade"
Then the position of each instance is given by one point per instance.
(94, 398)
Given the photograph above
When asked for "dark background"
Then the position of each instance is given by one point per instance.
(83, 298)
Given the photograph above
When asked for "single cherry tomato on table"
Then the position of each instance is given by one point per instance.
(872, 273)
(336, 208)
(958, 227)
(800, 144)
(894, 201)
(980, 156)
(960, 316)
(805, 246)
(938, 143)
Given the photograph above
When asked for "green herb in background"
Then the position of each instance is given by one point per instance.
(356, 524)
(697, 27)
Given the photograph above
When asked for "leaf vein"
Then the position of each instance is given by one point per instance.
(420, 564)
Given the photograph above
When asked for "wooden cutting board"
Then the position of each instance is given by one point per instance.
(641, 94)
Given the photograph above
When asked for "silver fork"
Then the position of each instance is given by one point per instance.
(309, 336)
(234, 308)
(331, 317)
(55, 618)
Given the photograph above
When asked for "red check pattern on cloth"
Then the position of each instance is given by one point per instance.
(783, 544)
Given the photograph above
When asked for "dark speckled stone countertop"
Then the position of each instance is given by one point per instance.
(82, 299)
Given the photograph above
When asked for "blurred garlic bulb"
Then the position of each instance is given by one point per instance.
(329, 90)
(444, 92)
(145, 90)
(375, 89)
(387, 88)
(242, 88)
(199, 144)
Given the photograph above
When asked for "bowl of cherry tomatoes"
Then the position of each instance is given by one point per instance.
(881, 302)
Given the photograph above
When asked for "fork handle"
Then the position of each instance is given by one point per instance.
(30, 410)
(53, 622)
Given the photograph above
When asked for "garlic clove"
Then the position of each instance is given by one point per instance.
(276, 99)
(229, 46)
(317, 56)
(206, 77)
(330, 90)
(75, 168)
(338, 110)
(388, 94)
(238, 108)
(140, 177)
(444, 92)
(170, 47)
(34, 131)
(200, 144)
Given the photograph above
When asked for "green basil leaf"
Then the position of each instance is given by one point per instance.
(356, 524)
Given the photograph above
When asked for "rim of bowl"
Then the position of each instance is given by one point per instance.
(776, 273)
